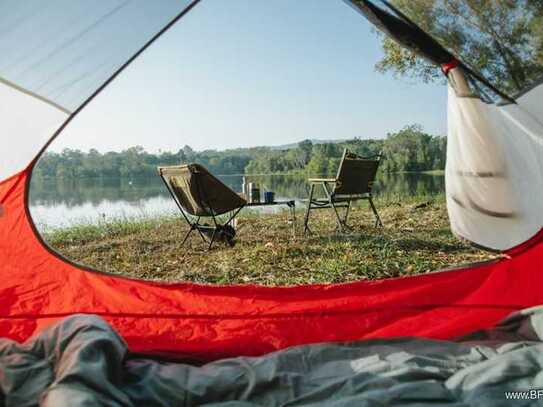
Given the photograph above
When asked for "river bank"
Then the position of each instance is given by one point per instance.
(415, 239)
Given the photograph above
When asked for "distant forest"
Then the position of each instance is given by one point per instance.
(410, 149)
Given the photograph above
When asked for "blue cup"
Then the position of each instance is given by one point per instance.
(269, 197)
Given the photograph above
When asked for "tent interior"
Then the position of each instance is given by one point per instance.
(161, 343)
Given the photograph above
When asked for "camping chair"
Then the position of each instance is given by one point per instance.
(354, 181)
(198, 194)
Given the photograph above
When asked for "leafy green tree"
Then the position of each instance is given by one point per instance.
(325, 159)
(410, 149)
(502, 39)
(297, 158)
(318, 166)
(306, 147)
(188, 153)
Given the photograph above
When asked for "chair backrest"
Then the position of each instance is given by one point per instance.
(356, 175)
(198, 192)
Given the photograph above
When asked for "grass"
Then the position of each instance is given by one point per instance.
(415, 239)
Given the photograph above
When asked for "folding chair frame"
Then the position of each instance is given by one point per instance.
(331, 201)
(217, 227)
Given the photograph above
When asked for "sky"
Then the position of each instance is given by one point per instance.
(243, 73)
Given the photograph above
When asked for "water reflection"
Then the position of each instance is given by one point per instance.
(55, 203)
(409, 184)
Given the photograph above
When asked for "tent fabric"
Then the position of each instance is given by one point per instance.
(82, 361)
(494, 152)
(530, 102)
(31, 120)
(406, 34)
(494, 156)
(44, 50)
(38, 288)
(396, 25)
(55, 54)
(63, 50)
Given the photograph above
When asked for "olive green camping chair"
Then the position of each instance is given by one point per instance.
(354, 181)
(198, 194)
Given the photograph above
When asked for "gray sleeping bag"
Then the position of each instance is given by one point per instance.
(81, 361)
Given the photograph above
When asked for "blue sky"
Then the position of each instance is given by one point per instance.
(242, 73)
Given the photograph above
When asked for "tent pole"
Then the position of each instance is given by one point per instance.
(466, 68)
(172, 22)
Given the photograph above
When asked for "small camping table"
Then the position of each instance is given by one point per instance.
(290, 203)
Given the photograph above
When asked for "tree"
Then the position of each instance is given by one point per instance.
(502, 39)
(318, 166)
(307, 148)
(188, 153)
(296, 157)
(91, 164)
(325, 159)
(410, 149)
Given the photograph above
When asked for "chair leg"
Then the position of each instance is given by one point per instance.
(198, 229)
(293, 218)
(234, 214)
(187, 234)
(377, 218)
(306, 219)
(330, 198)
(340, 224)
(201, 235)
(212, 239)
(346, 214)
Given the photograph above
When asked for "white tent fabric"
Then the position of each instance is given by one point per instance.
(494, 166)
(531, 102)
(55, 54)
(26, 124)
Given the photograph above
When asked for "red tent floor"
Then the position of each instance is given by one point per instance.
(38, 288)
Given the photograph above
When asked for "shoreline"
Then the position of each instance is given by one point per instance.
(416, 239)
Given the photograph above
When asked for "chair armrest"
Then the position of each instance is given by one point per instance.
(321, 180)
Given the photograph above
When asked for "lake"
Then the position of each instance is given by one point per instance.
(60, 203)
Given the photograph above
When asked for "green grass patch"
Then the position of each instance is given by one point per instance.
(415, 239)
